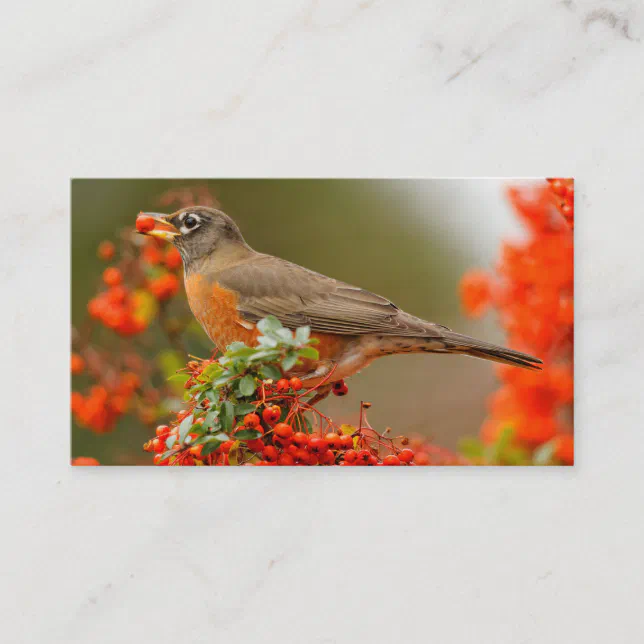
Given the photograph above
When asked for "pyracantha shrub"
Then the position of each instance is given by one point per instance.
(136, 334)
(531, 289)
(139, 330)
(241, 410)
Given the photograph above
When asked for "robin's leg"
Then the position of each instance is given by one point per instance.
(314, 378)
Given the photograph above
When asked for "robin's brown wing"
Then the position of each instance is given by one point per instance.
(267, 285)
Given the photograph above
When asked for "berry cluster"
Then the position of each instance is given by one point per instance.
(563, 191)
(532, 291)
(84, 460)
(242, 411)
(104, 404)
(125, 306)
(136, 301)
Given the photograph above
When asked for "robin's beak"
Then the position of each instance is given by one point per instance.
(163, 229)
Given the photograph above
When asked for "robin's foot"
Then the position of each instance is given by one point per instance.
(320, 394)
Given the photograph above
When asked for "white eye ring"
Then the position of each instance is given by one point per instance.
(189, 222)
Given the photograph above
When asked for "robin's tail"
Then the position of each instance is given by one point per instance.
(457, 343)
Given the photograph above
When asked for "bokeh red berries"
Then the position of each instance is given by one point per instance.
(140, 294)
(532, 291)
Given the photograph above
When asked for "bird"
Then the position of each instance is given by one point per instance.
(230, 287)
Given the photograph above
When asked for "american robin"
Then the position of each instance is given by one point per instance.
(230, 287)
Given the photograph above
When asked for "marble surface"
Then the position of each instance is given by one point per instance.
(312, 88)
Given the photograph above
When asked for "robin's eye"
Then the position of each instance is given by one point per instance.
(189, 223)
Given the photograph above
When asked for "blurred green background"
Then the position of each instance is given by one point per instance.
(409, 240)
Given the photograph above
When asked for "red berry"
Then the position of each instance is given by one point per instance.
(422, 458)
(162, 431)
(282, 386)
(327, 458)
(225, 447)
(106, 250)
(334, 440)
(302, 455)
(251, 420)
(340, 388)
(117, 294)
(271, 415)
(285, 459)
(158, 445)
(558, 187)
(373, 460)
(282, 443)
(296, 384)
(196, 450)
(172, 258)
(256, 445)
(346, 441)
(350, 456)
(392, 459)
(318, 446)
(283, 430)
(152, 255)
(112, 276)
(292, 450)
(406, 456)
(270, 454)
(145, 223)
(78, 364)
(363, 457)
(301, 439)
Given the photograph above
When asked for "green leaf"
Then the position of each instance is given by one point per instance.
(234, 453)
(227, 415)
(266, 341)
(212, 442)
(209, 418)
(285, 335)
(184, 428)
(247, 385)
(244, 408)
(289, 362)
(179, 377)
(265, 355)
(308, 352)
(243, 352)
(302, 334)
(247, 434)
(211, 446)
(270, 372)
(235, 346)
(471, 447)
(269, 325)
(170, 441)
(212, 370)
(220, 382)
(544, 454)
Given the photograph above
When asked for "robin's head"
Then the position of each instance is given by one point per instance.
(197, 231)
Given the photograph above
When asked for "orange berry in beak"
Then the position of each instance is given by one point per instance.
(145, 223)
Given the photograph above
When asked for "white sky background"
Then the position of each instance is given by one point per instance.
(476, 212)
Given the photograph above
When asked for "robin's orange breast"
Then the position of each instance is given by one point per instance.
(216, 310)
